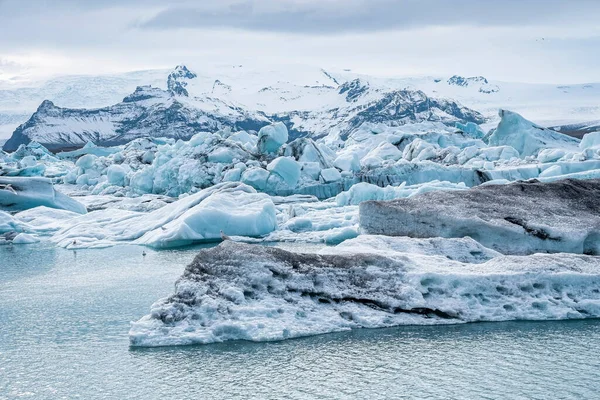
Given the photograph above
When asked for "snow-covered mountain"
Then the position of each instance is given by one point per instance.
(310, 101)
(19, 101)
(193, 103)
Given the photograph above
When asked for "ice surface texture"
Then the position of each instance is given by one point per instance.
(519, 218)
(248, 292)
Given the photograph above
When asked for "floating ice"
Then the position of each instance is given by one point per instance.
(526, 137)
(17, 193)
(234, 208)
(250, 292)
(365, 191)
(287, 168)
(519, 218)
(24, 238)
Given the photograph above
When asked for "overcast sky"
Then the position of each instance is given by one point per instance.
(556, 41)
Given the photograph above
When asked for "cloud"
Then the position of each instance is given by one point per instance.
(496, 38)
(315, 17)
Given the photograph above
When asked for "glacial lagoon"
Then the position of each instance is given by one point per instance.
(65, 317)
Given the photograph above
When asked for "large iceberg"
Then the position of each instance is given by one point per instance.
(519, 218)
(232, 207)
(527, 137)
(249, 292)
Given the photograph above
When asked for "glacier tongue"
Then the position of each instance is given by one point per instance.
(244, 292)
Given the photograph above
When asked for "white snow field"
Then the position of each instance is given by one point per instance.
(246, 292)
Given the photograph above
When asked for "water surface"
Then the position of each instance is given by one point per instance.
(64, 318)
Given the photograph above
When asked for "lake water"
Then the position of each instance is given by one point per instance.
(64, 318)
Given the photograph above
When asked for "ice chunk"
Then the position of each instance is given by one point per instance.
(256, 177)
(287, 168)
(236, 213)
(86, 162)
(17, 193)
(44, 220)
(520, 218)
(116, 175)
(249, 292)
(347, 162)
(8, 223)
(590, 140)
(24, 238)
(420, 150)
(272, 137)
(465, 250)
(307, 150)
(330, 175)
(471, 129)
(385, 151)
(550, 155)
(527, 137)
(554, 170)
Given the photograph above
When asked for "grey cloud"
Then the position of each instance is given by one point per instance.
(342, 16)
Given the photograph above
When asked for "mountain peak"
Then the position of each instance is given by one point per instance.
(177, 80)
(458, 80)
(354, 89)
(46, 105)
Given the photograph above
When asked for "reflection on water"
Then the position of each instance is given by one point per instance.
(64, 318)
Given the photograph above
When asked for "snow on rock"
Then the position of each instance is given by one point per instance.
(19, 193)
(526, 137)
(234, 208)
(237, 291)
(272, 137)
(519, 218)
(365, 191)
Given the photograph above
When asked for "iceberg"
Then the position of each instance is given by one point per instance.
(20, 193)
(518, 218)
(364, 191)
(231, 207)
(9, 224)
(526, 137)
(287, 168)
(25, 238)
(237, 291)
